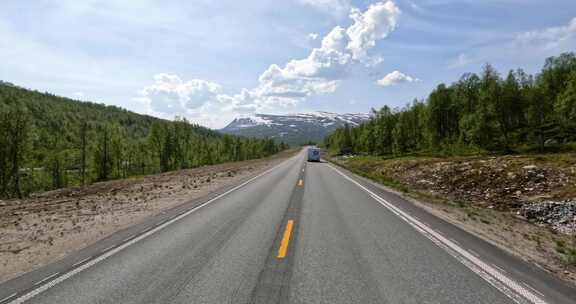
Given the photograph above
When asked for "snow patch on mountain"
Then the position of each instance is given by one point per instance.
(294, 128)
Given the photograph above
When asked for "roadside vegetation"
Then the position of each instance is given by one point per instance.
(495, 155)
(49, 142)
(479, 114)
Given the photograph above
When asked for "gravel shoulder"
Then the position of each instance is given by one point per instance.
(522, 204)
(47, 226)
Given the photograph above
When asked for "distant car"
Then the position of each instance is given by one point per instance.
(313, 154)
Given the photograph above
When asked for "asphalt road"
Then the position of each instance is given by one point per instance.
(299, 233)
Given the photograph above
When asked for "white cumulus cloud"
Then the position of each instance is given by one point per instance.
(313, 36)
(327, 65)
(394, 78)
(170, 94)
(376, 23)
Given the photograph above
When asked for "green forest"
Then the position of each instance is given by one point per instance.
(485, 113)
(49, 142)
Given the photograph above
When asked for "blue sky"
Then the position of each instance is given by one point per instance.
(211, 61)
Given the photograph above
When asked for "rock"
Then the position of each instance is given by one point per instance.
(550, 142)
(559, 215)
(530, 167)
(425, 182)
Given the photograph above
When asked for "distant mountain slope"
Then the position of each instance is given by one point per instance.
(51, 114)
(49, 142)
(293, 129)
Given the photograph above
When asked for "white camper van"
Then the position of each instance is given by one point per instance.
(313, 154)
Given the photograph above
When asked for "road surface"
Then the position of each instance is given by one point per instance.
(298, 233)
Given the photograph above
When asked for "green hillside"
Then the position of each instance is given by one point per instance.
(49, 142)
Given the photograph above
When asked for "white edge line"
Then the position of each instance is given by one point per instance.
(514, 290)
(532, 288)
(8, 297)
(29, 295)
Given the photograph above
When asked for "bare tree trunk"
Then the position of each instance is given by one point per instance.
(83, 144)
(17, 134)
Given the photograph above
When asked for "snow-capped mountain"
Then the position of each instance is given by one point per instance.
(293, 129)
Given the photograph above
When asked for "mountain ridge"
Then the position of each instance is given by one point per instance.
(294, 129)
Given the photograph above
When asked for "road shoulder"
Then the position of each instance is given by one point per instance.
(496, 254)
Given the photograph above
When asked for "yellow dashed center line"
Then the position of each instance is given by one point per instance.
(285, 239)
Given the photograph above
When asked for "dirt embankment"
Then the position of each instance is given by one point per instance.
(43, 228)
(524, 204)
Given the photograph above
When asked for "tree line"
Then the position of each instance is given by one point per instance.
(49, 142)
(484, 113)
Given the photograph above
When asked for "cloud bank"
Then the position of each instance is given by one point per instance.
(530, 44)
(550, 38)
(285, 86)
(337, 8)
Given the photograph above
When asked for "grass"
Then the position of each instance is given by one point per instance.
(567, 252)
(561, 246)
(384, 168)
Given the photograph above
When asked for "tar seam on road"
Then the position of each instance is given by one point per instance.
(35, 290)
(285, 239)
(46, 278)
(108, 248)
(499, 280)
(81, 261)
(273, 285)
